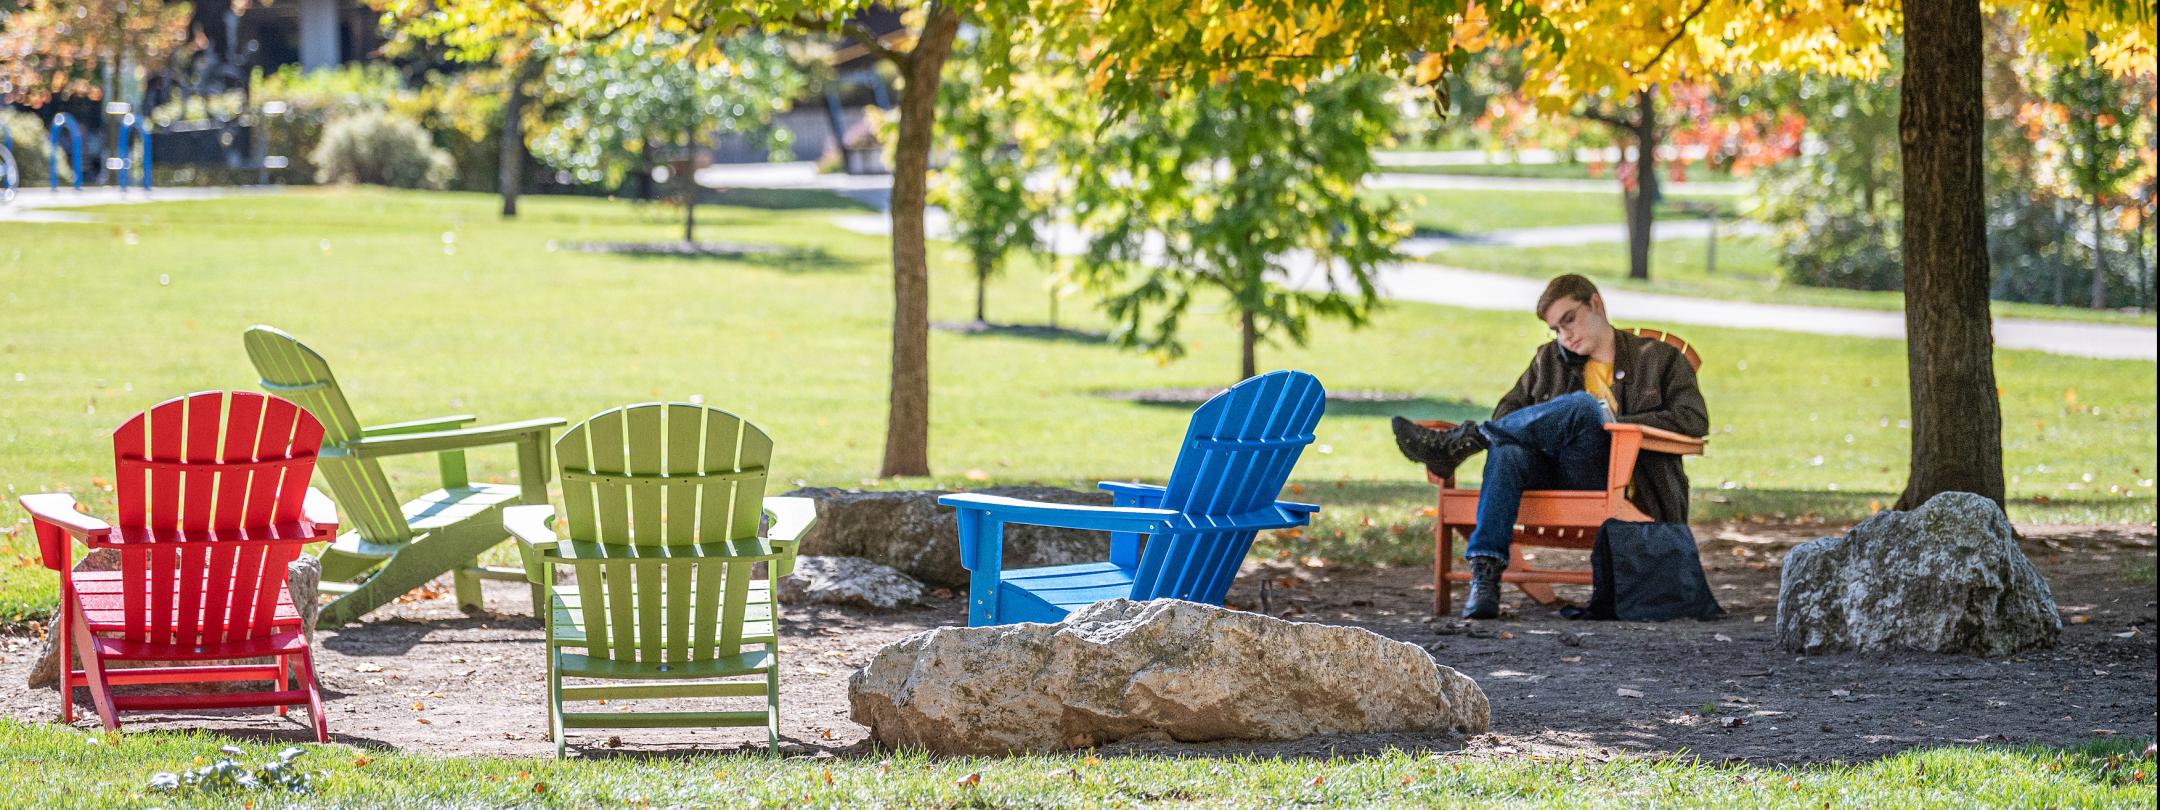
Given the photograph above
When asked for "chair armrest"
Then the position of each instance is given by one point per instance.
(1660, 440)
(790, 518)
(54, 518)
(1062, 515)
(440, 440)
(1124, 493)
(318, 509)
(532, 527)
(419, 425)
(1297, 508)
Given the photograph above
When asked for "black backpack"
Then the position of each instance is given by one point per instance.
(1648, 572)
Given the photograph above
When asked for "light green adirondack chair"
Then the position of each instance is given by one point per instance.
(395, 547)
(662, 505)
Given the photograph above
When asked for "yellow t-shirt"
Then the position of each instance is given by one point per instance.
(1597, 379)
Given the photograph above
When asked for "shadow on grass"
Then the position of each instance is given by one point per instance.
(782, 199)
(1356, 404)
(775, 257)
(1029, 331)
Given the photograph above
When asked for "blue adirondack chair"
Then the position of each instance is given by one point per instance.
(1183, 540)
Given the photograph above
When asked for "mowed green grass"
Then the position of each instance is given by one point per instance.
(60, 768)
(429, 304)
(1746, 269)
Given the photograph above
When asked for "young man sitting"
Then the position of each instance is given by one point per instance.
(1549, 433)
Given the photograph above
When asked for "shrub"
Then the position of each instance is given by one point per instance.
(373, 146)
(30, 134)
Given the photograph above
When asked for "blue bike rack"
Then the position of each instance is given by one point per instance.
(52, 154)
(140, 130)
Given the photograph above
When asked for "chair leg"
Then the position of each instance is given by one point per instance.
(93, 669)
(65, 620)
(1539, 592)
(305, 662)
(555, 724)
(772, 710)
(1443, 562)
(466, 584)
(284, 665)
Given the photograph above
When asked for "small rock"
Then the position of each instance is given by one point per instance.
(849, 581)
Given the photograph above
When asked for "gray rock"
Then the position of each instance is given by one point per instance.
(907, 530)
(303, 579)
(1121, 669)
(1947, 578)
(850, 582)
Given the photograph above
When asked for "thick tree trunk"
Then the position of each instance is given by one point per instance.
(1950, 353)
(1248, 344)
(907, 427)
(510, 177)
(1642, 207)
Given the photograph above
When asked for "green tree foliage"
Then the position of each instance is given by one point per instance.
(983, 185)
(1249, 189)
(1835, 208)
(628, 101)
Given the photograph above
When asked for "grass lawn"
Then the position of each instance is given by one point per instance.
(1747, 270)
(428, 304)
(106, 771)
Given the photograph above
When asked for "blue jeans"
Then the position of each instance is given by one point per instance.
(1556, 444)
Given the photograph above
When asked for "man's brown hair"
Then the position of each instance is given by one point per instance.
(1567, 286)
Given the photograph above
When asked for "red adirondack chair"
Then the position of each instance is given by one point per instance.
(213, 503)
(1554, 518)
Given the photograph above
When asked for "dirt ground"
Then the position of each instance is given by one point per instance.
(420, 676)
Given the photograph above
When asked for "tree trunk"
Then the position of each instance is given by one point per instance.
(982, 290)
(1642, 207)
(907, 426)
(1248, 342)
(1956, 414)
(2099, 287)
(689, 188)
(510, 176)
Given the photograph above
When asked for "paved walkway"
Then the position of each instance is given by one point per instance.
(42, 204)
(1580, 235)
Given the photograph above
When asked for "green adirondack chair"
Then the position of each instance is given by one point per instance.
(662, 505)
(396, 546)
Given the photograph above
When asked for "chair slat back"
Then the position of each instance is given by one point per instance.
(290, 369)
(663, 474)
(1694, 360)
(210, 488)
(662, 503)
(1237, 455)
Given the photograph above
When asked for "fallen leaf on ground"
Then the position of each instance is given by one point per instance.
(1628, 693)
(969, 780)
(1721, 637)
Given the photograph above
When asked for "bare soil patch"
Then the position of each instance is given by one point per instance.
(1720, 690)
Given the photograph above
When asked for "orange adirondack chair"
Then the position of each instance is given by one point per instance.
(1554, 518)
(213, 503)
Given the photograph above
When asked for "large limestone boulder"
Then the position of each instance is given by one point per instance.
(46, 672)
(907, 530)
(1183, 670)
(1947, 578)
(849, 582)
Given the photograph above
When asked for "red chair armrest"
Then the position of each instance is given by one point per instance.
(55, 518)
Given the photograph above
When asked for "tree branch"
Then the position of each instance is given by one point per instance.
(1673, 40)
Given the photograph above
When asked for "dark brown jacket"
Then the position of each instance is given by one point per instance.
(1655, 387)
